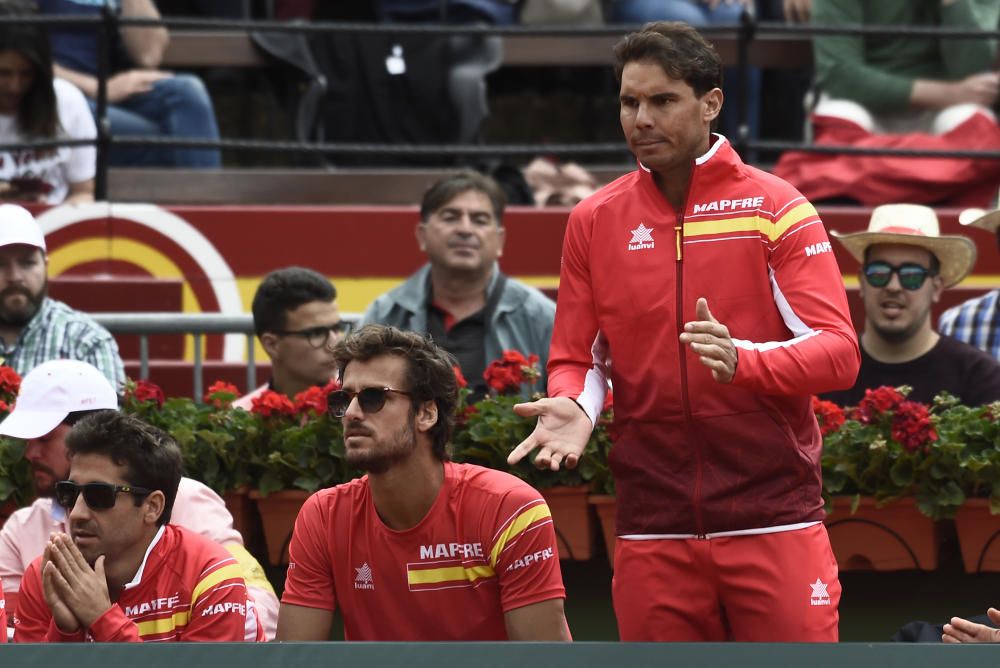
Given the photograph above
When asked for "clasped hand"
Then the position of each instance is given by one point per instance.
(76, 594)
(711, 341)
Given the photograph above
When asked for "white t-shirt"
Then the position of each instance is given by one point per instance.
(49, 173)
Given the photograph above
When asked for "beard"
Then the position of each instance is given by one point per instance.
(384, 454)
(19, 317)
(46, 489)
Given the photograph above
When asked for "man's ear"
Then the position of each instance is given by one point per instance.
(153, 507)
(711, 105)
(269, 341)
(426, 416)
(938, 283)
(421, 233)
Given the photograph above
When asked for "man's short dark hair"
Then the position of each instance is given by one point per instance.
(677, 48)
(430, 372)
(151, 458)
(452, 186)
(285, 290)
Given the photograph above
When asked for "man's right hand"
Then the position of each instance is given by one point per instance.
(61, 614)
(132, 82)
(981, 89)
(562, 432)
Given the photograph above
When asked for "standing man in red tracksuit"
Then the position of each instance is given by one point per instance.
(716, 294)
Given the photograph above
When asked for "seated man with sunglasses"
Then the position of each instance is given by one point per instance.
(53, 397)
(421, 548)
(905, 266)
(123, 574)
(296, 319)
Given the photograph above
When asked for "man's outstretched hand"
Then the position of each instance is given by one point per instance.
(561, 433)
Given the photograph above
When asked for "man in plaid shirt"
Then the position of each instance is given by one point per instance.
(977, 321)
(33, 327)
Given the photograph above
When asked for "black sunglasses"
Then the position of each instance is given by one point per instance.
(371, 400)
(911, 276)
(98, 495)
(317, 336)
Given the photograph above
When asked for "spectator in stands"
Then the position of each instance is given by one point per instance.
(460, 297)
(123, 574)
(53, 398)
(906, 265)
(297, 321)
(977, 320)
(33, 327)
(902, 91)
(702, 13)
(35, 106)
(143, 100)
(421, 548)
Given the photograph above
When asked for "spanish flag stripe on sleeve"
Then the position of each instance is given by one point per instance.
(164, 625)
(230, 572)
(793, 217)
(751, 224)
(449, 574)
(514, 528)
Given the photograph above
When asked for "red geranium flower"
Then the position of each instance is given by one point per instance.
(10, 381)
(911, 425)
(272, 403)
(311, 401)
(459, 377)
(510, 371)
(829, 415)
(220, 393)
(4, 406)
(879, 400)
(147, 391)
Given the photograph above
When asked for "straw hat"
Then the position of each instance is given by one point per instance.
(914, 225)
(988, 220)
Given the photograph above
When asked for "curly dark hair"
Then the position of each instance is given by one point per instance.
(430, 372)
(676, 47)
(151, 457)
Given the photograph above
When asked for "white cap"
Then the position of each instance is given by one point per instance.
(18, 226)
(53, 390)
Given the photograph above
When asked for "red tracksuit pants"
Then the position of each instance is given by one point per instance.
(771, 587)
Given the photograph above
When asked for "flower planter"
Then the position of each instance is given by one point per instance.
(572, 520)
(606, 505)
(892, 537)
(278, 511)
(978, 536)
(241, 507)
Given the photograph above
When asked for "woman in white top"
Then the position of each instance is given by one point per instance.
(35, 106)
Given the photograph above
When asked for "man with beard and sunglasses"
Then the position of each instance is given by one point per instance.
(421, 548)
(906, 263)
(33, 327)
(297, 322)
(53, 397)
(123, 573)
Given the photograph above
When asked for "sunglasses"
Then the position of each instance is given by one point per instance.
(370, 399)
(911, 276)
(317, 336)
(98, 495)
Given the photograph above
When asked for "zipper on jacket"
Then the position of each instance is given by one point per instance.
(682, 355)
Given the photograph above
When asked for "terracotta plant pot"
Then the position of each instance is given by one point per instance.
(240, 506)
(606, 505)
(978, 536)
(572, 520)
(278, 511)
(892, 537)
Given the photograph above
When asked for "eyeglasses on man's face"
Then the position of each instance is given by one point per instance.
(370, 399)
(97, 495)
(911, 275)
(319, 335)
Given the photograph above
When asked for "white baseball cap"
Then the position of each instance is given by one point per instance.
(18, 226)
(53, 390)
